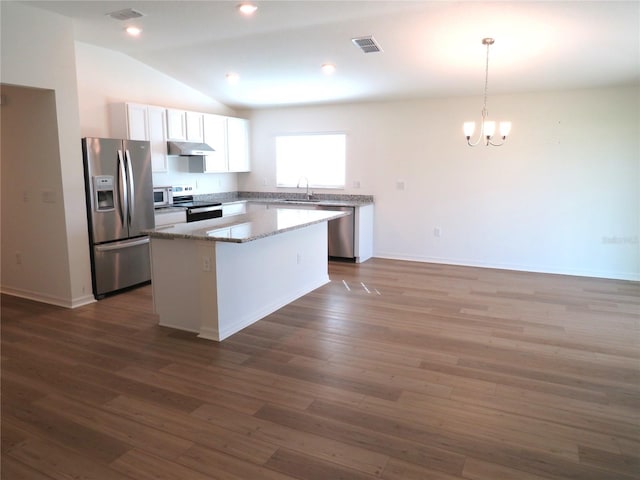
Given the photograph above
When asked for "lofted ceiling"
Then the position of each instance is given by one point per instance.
(430, 48)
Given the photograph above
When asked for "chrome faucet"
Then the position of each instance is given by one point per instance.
(308, 195)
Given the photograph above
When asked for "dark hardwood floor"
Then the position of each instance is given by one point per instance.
(394, 370)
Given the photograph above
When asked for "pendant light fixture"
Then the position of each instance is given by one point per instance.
(487, 127)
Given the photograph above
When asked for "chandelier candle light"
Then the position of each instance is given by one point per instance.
(487, 127)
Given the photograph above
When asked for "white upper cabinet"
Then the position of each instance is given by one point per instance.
(158, 138)
(176, 125)
(238, 144)
(184, 126)
(134, 121)
(137, 121)
(228, 136)
(195, 127)
(215, 135)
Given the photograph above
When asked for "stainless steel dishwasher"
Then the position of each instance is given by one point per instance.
(341, 233)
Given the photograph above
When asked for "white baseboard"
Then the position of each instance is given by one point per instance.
(49, 299)
(631, 276)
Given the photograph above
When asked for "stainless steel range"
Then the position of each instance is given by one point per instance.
(196, 209)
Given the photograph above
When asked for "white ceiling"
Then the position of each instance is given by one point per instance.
(431, 48)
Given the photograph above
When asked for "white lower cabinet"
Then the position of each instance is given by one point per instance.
(363, 233)
(234, 208)
(256, 207)
(169, 217)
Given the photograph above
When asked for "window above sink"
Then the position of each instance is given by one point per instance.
(318, 157)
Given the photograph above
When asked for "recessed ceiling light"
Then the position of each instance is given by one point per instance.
(247, 8)
(328, 68)
(232, 78)
(133, 31)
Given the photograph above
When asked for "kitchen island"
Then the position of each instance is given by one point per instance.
(215, 277)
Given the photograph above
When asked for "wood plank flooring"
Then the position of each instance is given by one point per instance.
(395, 370)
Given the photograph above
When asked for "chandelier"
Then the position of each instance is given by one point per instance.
(487, 127)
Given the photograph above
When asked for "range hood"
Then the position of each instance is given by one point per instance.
(188, 149)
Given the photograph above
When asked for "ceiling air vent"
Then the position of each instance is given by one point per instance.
(126, 14)
(366, 44)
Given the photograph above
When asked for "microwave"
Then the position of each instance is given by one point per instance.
(162, 196)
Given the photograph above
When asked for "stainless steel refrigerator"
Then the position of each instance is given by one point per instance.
(119, 190)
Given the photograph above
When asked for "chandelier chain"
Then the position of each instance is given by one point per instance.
(486, 83)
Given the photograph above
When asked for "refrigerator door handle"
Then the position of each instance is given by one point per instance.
(121, 245)
(122, 191)
(132, 188)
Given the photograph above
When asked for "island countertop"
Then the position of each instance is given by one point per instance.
(246, 227)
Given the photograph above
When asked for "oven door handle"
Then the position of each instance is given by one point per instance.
(203, 209)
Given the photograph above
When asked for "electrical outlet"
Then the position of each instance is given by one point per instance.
(437, 232)
(356, 184)
(264, 182)
(400, 185)
(206, 263)
(299, 259)
(18, 258)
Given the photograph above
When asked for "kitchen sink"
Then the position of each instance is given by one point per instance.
(300, 200)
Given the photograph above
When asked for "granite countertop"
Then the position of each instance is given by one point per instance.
(321, 199)
(302, 202)
(285, 198)
(245, 227)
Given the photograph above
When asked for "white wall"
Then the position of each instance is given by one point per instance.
(106, 76)
(561, 196)
(38, 51)
(31, 170)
